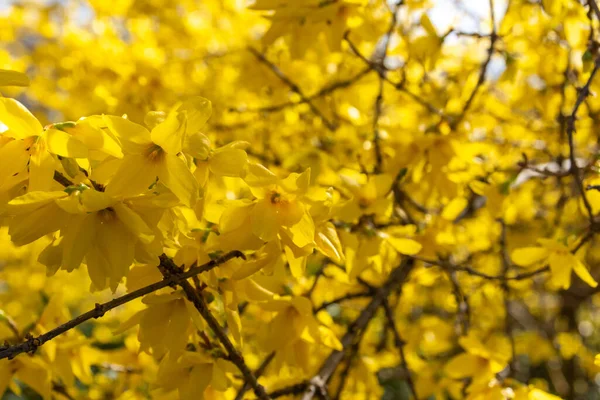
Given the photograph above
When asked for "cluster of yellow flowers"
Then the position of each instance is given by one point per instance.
(373, 203)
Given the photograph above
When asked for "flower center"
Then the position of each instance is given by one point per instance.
(155, 153)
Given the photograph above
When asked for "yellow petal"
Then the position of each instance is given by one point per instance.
(297, 265)
(175, 175)
(264, 220)
(177, 333)
(405, 246)
(31, 201)
(583, 272)
(64, 145)
(13, 159)
(32, 226)
(228, 162)
(134, 138)
(41, 171)
(13, 78)
(561, 268)
(133, 177)
(234, 323)
(16, 121)
(169, 133)
(328, 338)
(134, 223)
(453, 209)
(303, 232)
(93, 200)
(529, 255)
(77, 239)
(328, 242)
(464, 365)
(198, 111)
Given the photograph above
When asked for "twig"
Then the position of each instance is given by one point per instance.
(398, 85)
(63, 180)
(505, 258)
(321, 93)
(346, 371)
(376, 139)
(168, 268)
(574, 169)
(399, 343)
(295, 88)
(398, 276)
(289, 390)
(348, 296)
(483, 69)
(594, 6)
(474, 272)
(100, 309)
(259, 371)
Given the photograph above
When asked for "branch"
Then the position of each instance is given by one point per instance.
(399, 343)
(295, 88)
(594, 6)
(397, 85)
(63, 180)
(483, 69)
(397, 277)
(168, 268)
(323, 92)
(100, 309)
(574, 169)
(348, 296)
(261, 369)
(376, 139)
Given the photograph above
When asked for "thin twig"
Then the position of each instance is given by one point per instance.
(259, 371)
(295, 88)
(100, 309)
(399, 343)
(168, 268)
(574, 169)
(396, 278)
(482, 71)
(321, 93)
(348, 296)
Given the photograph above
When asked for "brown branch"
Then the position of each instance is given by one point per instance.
(482, 71)
(346, 371)
(295, 88)
(321, 93)
(168, 268)
(295, 389)
(508, 329)
(594, 6)
(471, 271)
(100, 309)
(348, 296)
(63, 180)
(397, 277)
(397, 85)
(376, 139)
(399, 343)
(259, 371)
(574, 169)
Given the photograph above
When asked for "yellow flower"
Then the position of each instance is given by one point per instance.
(560, 259)
(93, 225)
(294, 322)
(158, 153)
(165, 325)
(480, 361)
(193, 374)
(32, 146)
